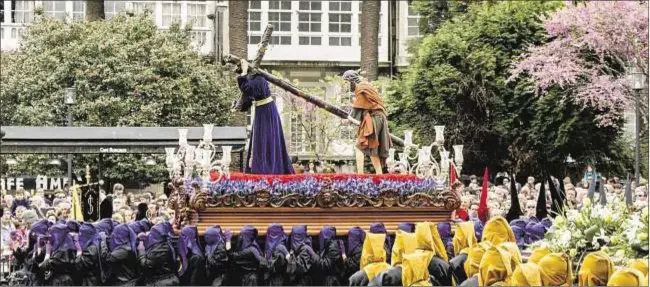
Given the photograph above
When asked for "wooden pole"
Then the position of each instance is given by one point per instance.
(309, 98)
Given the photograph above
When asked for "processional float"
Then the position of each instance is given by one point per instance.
(418, 192)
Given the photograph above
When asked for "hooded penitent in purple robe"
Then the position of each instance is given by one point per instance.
(266, 145)
(444, 229)
(73, 226)
(106, 225)
(158, 266)
(88, 235)
(330, 265)
(326, 234)
(248, 257)
(547, 222)
(534, 232)
(406, 227)
(216, 256)
(188, 241)
(478, 229)
(356, 236)
(61, 239)
(275, 236)
(299, 236)
(518, 227)
(123, 235)
(247, 238)
(213, 236)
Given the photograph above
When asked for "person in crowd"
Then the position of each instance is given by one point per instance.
(556, 270)
(329, 263)
(119, 253)
(6, 227)
(88, 257)
(372, 262)
(627, 277)
(142, 211)
(216, 257)
(595, 270)
(20, 200)
(302, 257)
(247, 257)
(405, 243)
(29, 259)
(432, 247)
(192, 271)
(527, 274)
(59, 257)
(276, 253)
(354, 251)
(156, 259)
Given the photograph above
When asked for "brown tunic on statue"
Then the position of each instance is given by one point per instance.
(373, 137)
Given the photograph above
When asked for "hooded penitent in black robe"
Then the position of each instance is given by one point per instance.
(216, 256)
(157, 264)
(470, 282)
(329, 265)
(59, 267)
(119, 255)
(88, 263)
(247, 259)
(356, 235)
(302, 259)
(390, 277)
(275, 271)
(192, 271)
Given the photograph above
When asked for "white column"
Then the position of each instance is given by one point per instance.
(356, 12)
(184, 13)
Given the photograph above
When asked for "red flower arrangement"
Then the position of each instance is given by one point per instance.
(376, 178)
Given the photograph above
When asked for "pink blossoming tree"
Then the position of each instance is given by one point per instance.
(591, 50)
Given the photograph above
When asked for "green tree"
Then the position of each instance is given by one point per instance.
(458, 78)
(126, 72)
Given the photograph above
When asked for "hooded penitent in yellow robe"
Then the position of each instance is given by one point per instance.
(515, 254)
(538, 254)
(474, 256)
(627, 277)
(464, 238)
(438, 245)
(556, 270)
(495, 267)
(595, 270)
(405, 243)
(497, 230)
(415, 270)
(639, 264)
(373, 255)
(526, 274)
(424, 244)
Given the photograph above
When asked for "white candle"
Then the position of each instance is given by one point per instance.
(408, 137)
(440, 134)
(182, 137)
(207, 133)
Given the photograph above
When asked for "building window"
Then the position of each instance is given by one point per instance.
(254, 40)
(340, 23)
(112, 8)
(196, 14)
(340, 41)
(297, 133)
(310, 40)
(54, 9)
(171, 13)
(23, 11)
(413, 24)
(254, 22)
(280, 17)
(309, 16)
(78, 10)
(142, 6)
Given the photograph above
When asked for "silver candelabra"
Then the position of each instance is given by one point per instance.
(427, 165)
(200, 159)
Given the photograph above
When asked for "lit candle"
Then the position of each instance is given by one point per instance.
(182, 137)
(408, 137)
(207, 133)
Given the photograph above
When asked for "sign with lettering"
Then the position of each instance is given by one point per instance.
(112, 150)
(30, 182)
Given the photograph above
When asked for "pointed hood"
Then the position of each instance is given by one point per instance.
(592, 186)
(515, 209)
(356, 237)
(299, 236)
(405, 243)
(61, 239)
(415, 270)
(106, 208)
(373, 255)
(452, 174)
(628, 192)
(464, 237)
(542, 212)
(276, 238)
(557, 198)
(602, 193)
(88, 235)
(483, 211)
(327, 233)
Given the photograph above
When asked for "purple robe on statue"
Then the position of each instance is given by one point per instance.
(267, 145)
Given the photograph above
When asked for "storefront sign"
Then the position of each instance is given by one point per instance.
(30, 182)
(112, 150)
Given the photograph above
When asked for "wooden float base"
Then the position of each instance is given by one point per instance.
(343, 218)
